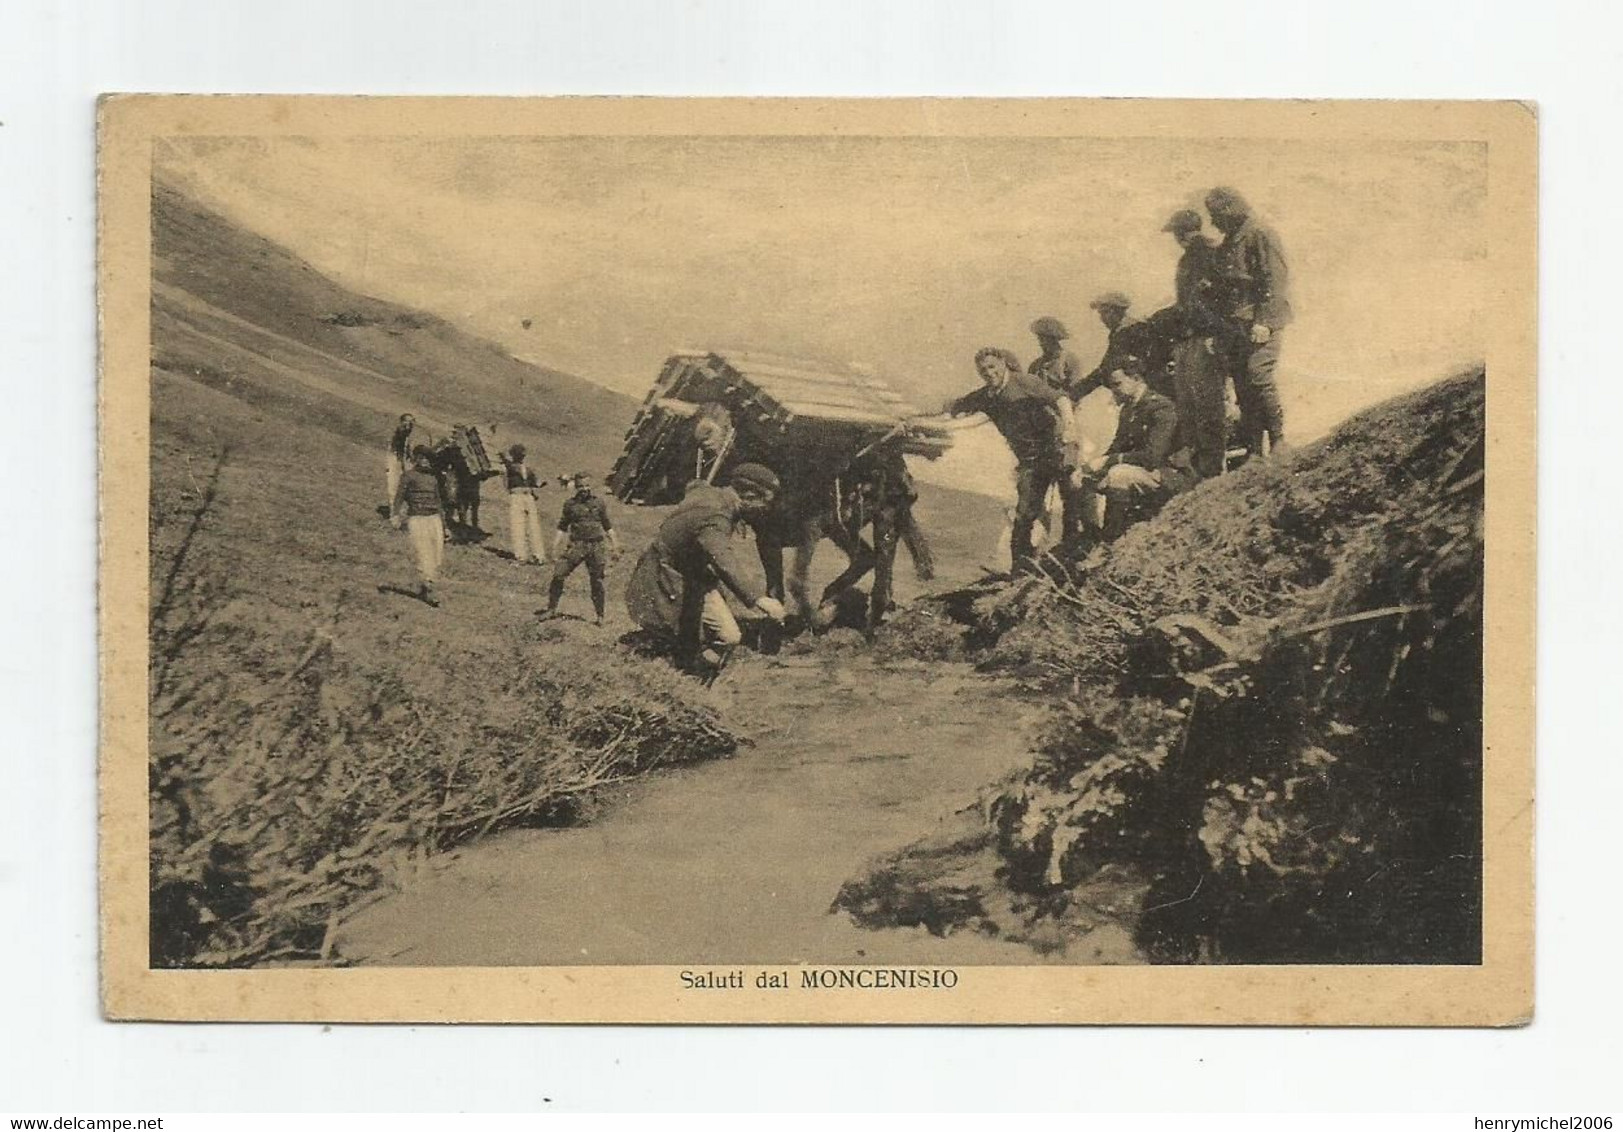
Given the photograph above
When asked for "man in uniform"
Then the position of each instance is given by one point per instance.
(523, 511)
(1141, 469)
(1252, 292)
(1201, 344)
(677, 584)
(1055, 365)
(1129, 337)
(399, 452)
(1036, 421)
(415, 509)
(585, 534)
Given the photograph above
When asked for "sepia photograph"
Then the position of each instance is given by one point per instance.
(914, 560)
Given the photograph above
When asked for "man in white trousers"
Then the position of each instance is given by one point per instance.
(416, 510)
(523, 508)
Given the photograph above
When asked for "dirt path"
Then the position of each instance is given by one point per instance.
(736, 861)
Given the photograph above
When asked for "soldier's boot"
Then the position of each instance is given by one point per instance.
(710, 661)
(555, 593)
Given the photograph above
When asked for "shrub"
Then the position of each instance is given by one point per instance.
(285, 791)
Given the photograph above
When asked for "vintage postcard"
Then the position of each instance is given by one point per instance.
(604, 560)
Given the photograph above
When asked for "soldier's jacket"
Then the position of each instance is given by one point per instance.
(694, 550)
(1024, 411)
(1197, 287)
(400, 441)
(1145, 433)
(1060, 371)
(585, 518)
(519, 477)
(1135, 338)
(1253, 281)
(418, 493)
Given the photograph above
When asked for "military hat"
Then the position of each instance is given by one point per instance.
(1224, 197)
(1184, 220)
(755, 477)
(517, 452)
(1049, 327)
(1130, 364)
(1111, 299)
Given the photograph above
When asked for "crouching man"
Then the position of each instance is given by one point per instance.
(1140, 471)
(677, 584)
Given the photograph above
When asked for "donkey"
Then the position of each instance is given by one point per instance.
(873, 490)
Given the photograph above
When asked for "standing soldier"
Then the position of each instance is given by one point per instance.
(584, 535)
(1129, 337)
(1036, 421)
(523, 511)
(399, 452)
(1203, 341)
(1055, 365)
(677, 584)
(1253, 293)
(416, 510)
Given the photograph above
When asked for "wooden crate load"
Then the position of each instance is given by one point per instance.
(467, 438)
(711, 411)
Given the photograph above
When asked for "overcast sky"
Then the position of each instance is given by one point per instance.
(905, 254)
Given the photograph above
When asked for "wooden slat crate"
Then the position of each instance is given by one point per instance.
(790, 413)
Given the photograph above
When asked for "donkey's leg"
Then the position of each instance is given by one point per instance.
(769, 547)
(861, 557)
(884, 570)
(810, 534)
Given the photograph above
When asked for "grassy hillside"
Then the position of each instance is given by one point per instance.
(238, 313)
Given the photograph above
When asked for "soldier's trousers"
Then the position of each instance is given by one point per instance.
(1258, 394)
(391, 471)
(1202, 426)
(1031, 484)
(524, 528)
(427, 536)
(595, 555)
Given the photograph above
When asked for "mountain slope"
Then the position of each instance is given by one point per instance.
(242, 314)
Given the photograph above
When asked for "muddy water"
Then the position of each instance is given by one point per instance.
(735, 861)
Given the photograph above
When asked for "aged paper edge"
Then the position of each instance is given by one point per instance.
(1498, 992)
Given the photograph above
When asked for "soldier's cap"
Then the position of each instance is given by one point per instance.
(422, 452)
(516, 452)
(1130, 364)
(1050, 327)
(756, 478)
(1184, 220)
(582, 476)
(1111, 300)
(1225, 199)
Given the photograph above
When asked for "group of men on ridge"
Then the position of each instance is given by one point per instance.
(1168, 373)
